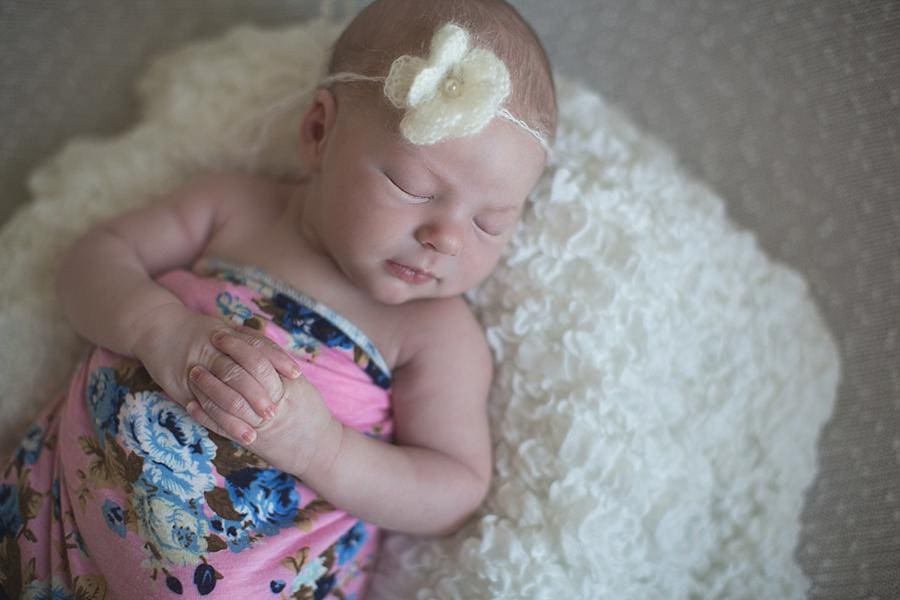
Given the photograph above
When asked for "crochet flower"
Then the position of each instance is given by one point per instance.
(455, 92)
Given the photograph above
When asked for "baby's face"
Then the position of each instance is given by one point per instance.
(405, 222)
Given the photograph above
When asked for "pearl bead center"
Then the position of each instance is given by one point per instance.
(452, 86)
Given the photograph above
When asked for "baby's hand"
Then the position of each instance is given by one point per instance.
(245, 378)
(173, 339)
(303, 436)
(303, 431)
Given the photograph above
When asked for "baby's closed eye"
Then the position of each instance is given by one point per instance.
(497, 221)
(407, 188)
(492, 225)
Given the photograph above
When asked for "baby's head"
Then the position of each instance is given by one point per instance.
(424, 143)
(388, 29)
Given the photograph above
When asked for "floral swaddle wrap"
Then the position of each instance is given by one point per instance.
(116, 492)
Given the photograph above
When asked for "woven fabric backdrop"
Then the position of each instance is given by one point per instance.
(790, 110)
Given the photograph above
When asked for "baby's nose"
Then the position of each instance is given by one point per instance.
(445, 238)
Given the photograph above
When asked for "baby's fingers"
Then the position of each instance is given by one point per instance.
(243, 392)
(280, 358)
(253, 359)
(208, 414)
(228, 408)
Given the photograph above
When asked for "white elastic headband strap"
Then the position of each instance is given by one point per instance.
(345, 77)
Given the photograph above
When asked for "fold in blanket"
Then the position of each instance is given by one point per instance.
(116, 492)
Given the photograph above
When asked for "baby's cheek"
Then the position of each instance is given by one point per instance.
(489, 261)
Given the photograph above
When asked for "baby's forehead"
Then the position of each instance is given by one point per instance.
(500, 162)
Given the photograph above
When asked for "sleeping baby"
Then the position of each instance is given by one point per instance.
(282, 368)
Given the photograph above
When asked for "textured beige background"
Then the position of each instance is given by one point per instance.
(790, 110)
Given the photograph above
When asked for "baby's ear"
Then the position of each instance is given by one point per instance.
(315, 128)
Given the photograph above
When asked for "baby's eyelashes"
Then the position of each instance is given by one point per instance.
(492, 229)
(496, 222)
(417, 198)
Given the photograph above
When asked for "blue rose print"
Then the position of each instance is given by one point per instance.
(177, 451)
(299, 319)
(266, 496)
(104, 398)
(174, 527)
(231, 306)
(379, 377)
(204, 579)
(350, 543)
(294, 316)
(45, 590)
(79, 542)
(331, 335)
(236, 536)
(10, 516)
(31, 446)
(309, 574)
(115, 517)
(57, 503)
(324, 585)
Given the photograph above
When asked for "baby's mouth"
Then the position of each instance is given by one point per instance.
(408, 274)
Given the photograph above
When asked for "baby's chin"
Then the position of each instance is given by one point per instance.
(398, 293)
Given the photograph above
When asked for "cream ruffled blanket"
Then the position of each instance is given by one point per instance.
(660, 382)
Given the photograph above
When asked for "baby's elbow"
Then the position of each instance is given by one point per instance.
(480, 490)
(68, 276)
(466, 504)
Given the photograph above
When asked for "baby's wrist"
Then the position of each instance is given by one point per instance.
(326, 450)
(147, 332)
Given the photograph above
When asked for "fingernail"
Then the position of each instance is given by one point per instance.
(295, 372)
(268, 414)
(248, 436)
(218, 336)
(195, 372)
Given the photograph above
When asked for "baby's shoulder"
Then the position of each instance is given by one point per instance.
(240, 206)
(239, 210)
(445, 327)
(232, 191)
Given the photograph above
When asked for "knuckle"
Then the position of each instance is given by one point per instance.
(206, 404)
(261, 369)
(235, 404)
(221, 328)
(252, 338)
(257, 342)
(201, 415)
(276, 395)
(205, 354)
(228, 371)
(277, 388)
(202, 420)
(207, 421)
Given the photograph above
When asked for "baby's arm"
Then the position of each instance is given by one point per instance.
(107, 290)
(437, 473)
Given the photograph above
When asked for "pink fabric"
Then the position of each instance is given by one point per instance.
(118, 492)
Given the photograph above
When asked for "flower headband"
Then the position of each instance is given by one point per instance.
(455, 92)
